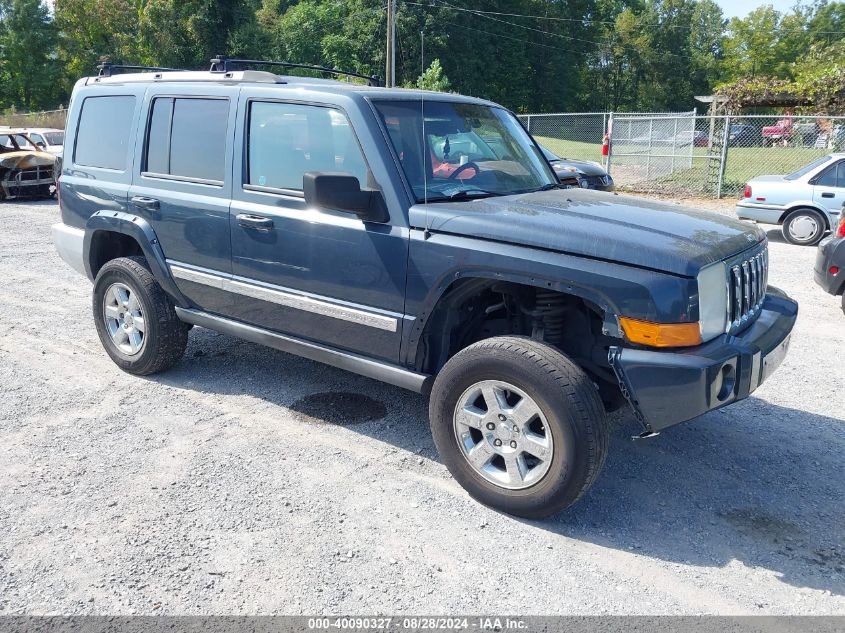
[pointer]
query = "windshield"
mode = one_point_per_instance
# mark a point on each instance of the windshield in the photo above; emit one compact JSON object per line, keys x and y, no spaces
{"x":55,"y":138}
{"x":807,"y":168}
{"x":470,"y":150}
{"x":548,"y":155}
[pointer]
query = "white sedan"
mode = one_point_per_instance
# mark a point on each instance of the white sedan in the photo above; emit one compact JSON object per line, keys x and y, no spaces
{"x":806,"y":203}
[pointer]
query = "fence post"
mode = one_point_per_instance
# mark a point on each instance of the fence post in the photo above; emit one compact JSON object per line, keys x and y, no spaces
{"x":674,"y":146}
{"x":609,"y":132}
{"x":603,"y":125}
{"x":724,"y":157}
{"x":528,"y":125}
{"x":648,"y":157}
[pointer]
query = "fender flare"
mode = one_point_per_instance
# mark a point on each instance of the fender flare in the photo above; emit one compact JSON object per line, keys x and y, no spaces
{"x":142,"y":232}
{"x":603,"y":302}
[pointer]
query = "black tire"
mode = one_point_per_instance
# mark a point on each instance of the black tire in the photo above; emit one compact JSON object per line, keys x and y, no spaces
{"x":165,"y":336}
{"x":807,"y":216}
{"x":567,"y":398}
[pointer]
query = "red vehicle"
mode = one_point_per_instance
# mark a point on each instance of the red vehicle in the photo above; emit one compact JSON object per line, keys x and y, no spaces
{"x":778,"y":132}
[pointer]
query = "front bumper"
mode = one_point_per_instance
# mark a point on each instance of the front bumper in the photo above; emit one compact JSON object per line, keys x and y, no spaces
{"x":831,"y":253}
{"x":669,"y":387}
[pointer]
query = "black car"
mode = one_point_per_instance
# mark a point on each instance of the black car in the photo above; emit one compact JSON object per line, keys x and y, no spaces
{"x":590,"y":175}
{"x":312,"y":216}
{"x":829,"y":271}
{"x":743,"y":135}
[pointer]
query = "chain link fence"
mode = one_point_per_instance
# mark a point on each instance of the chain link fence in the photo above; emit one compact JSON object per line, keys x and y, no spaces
{"x":686,"y":154}
{"x":47,"y":118}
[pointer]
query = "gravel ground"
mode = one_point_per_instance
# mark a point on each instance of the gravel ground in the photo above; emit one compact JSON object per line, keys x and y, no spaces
{"x":249,"y":481}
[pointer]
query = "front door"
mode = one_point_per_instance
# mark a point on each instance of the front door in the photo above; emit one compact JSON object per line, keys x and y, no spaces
{"x":312,"y":273}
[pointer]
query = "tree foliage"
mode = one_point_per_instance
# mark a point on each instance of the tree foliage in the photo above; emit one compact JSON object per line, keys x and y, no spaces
{"x":567,"y":55}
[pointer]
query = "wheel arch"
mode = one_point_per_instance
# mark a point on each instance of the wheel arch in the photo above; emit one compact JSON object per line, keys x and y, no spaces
{"x":440,"y":314}
{"x":112,"y":234}
{"x":810,"y":206}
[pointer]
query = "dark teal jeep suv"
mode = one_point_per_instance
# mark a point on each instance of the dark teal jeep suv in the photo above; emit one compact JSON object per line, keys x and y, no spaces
{"x":365,"y":227}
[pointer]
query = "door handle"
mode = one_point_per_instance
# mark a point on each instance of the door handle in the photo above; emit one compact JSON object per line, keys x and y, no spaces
{"x":827,"y":194}
{"x":143,"y":202}
{"x":255,"y":222}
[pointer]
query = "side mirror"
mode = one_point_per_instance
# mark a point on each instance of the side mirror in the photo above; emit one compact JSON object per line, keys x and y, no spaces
{"x":342,"y":192}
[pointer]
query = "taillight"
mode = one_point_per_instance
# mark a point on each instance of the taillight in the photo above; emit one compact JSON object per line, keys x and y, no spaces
{"x":747,"y":193}
{"x":840,"y":231}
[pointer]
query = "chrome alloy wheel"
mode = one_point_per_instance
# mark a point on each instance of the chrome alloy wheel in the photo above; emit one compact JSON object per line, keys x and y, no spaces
{"x":503,"y":434}
{"x":124,"y":319}
{"x":803,"y":228}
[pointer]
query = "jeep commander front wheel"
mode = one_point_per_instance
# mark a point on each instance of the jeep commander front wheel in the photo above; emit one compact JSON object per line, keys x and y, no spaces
{"x":519,"y":425}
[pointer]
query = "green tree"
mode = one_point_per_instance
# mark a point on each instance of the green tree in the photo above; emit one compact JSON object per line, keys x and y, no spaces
{"x":27,"y":67}
{"x":432,"y":79}
{"x":765,"y":42}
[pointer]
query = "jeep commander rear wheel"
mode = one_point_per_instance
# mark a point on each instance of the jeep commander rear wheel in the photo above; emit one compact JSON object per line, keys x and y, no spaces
{"x":135,"y":319}
{"x":519,"y":425}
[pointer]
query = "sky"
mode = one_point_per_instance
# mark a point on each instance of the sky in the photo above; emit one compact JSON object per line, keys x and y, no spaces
{"x":741,"y":8}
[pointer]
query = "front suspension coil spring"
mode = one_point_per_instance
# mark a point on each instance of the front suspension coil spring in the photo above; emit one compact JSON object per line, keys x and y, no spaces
{"x":550,"y":308}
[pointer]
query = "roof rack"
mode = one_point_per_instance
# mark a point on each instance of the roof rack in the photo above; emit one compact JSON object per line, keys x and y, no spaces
{"x":221,"y":64}
{"x":106,"y":69}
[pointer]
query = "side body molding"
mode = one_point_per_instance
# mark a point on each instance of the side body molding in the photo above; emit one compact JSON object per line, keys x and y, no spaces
{"x":140,"y":230}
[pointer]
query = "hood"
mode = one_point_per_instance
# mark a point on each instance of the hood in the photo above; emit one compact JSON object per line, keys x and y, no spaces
{"x":585,"y":167}
{"x":26,"y":159}
{"x":597,"y":224}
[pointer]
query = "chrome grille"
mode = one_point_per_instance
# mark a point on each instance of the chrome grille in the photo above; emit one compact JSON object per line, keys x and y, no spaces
{"x":748,"y":280}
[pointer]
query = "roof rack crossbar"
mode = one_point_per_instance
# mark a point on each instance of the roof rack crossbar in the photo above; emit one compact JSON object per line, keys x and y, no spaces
{"x":221,"y":64}
{"x":106,"y":69}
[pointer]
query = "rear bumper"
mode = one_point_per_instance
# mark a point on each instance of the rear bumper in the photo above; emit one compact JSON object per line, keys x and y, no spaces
{"x":759,"y":213}
{"x":831,"y":253}
{"x":69,"y":243}
{"x":667,"y":388}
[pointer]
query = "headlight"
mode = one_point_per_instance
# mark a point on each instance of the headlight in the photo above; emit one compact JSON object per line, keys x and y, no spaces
{"x":712,"y":300}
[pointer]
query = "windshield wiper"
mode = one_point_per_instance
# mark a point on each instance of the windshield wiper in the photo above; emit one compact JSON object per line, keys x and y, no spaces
{"x":548,"y":187}
{"x":465,"y":194}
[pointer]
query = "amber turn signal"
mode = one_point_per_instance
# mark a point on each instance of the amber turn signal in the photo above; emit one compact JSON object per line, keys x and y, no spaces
{"x":661,"y":334}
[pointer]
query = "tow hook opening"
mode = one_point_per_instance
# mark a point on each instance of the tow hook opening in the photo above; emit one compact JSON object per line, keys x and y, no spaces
{"x":725,"y":381}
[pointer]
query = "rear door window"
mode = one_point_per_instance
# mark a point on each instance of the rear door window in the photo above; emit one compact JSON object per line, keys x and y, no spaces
{"x":833,"y":176}
{"x":103,"y":133}
{"x":287,"y":139}
{"x":187,"y":138}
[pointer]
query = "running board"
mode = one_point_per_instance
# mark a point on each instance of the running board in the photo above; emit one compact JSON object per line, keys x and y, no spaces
{"x":384,"y":372}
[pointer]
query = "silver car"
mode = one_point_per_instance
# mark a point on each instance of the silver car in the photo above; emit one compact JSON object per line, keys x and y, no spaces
{"x":806,"y":203}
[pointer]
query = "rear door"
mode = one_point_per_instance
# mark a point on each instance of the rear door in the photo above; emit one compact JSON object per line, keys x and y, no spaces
{"x":183,"y":183}
{"x":829,"y":188}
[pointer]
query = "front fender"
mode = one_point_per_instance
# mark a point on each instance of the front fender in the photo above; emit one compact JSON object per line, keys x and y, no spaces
{"x":140,"y":230}
{"x":438,"y":261}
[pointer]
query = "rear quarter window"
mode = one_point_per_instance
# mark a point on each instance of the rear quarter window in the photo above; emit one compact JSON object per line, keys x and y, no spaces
{"x":103,"y":133}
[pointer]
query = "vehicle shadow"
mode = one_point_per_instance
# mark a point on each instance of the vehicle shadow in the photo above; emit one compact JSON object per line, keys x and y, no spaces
{"x":755,"y":483}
